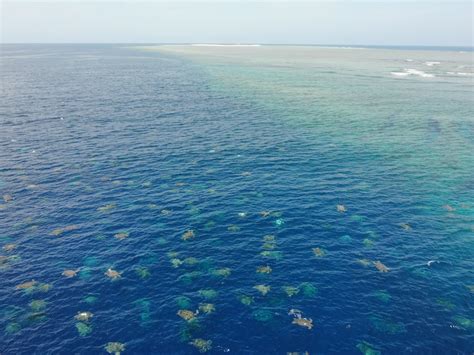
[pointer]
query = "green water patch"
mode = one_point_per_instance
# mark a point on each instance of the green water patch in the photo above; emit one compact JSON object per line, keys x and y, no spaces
{"x":35,"y":316}
{"x":190,"y":261}
{"x":382,"y":296}
{"x":368,"y":243}
{"x":190,"y":278}
{"x":143,"y":272}
{"x":190,"y":330}
{"x":208,"y":294}
{"x":387,"y":326}
{"x":148,"y":259}
{"x":272,"y":254}
{"x":91,"y":261}
{"x":262,"y":315}
{"x":358,"y":218}
{"x":143,"y":306}
{"x":368,"y":349}
{"x":37,"y":305}
{"x":345,"y":239}
{"x":446,"y":304}
{"x":12,"y":328}
{"x":183,"y":302}
{"x":463,"y":322}
{"x":246,"y":300}
{"x":90,"y":299}
{"x":85,"y":273}
{"x":308,"y":290}
{"x":83,"y":329}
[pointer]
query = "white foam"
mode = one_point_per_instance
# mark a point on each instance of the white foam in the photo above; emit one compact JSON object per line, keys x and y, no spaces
{"x":459,"y":73}
{"x":414,"y":72}
{"x":430,"y":64}
{"x":224,"y":45}
{"x":399,"y":73}
{"x":409,"y":60}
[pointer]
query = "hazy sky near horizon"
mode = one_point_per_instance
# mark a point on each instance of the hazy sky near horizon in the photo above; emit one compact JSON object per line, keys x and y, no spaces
{"x":382,"y":22}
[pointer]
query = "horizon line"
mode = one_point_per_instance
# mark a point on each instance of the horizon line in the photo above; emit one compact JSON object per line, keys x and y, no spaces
{"x":258,"y":43}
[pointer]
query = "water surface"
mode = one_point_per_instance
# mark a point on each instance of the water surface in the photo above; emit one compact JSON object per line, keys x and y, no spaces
{"x":109,"y":154}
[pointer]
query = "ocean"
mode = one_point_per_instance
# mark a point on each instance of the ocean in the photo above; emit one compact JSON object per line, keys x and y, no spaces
{"x":233,"y":199}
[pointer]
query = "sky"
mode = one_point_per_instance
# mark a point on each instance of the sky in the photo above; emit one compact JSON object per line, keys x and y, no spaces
{"x":345,"y":22}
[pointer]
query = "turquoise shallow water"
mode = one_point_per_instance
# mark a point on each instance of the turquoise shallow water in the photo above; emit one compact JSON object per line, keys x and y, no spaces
{"x":110,"y":154}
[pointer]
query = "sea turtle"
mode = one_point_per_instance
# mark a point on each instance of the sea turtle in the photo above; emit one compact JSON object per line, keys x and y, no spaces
{"x":70,"y":227}
{"x":363,"y":262}
{"x":43,"y":287}
{"x":202,"y":345}
{"x":83,"y":316}
{"x":7,"y":198}
{"x":291,"y":291}
{"x":107,"y":207}
{"x":341,"y":208}
{"x":175,"y":262}
{"x":246,"y":300}
{"x":223,"y":272}
{"x":449,"y":208}
{"x":233,"y":228}
{"x":380,"y":267}
{"x":9,"y":247}
{"x":57,"y":231}
{"x":121,"y":235}
{"x":263,"y":289}
{"x":114,"y":348}
{"x":369,"y":243}
{"x":70,"y":273}
{"x":269,"y":238}
{"x":405,"y":226}
{"x":191,"y":260}
{"x":113,"y":274}
{"x":264,"y":269}
{"x":3,"y":260}
{"x":295,"y":313}
{"x":265,"y":214}
{"x":189,"y":234}
{"x":319,"y":252}
{"x":207,"y":307}
{"x":431,"y":262}
{"x":269,"y":245}
{"x":187,"y":315}
{"x":26,"y":285}
{"x":271,"y":254}
{"x":303,"y":322}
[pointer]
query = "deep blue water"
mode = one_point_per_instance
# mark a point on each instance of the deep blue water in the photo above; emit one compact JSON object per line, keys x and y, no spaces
{"x":162,"y":143}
